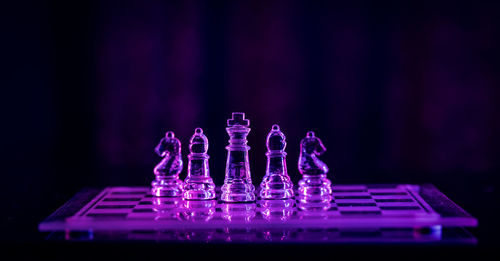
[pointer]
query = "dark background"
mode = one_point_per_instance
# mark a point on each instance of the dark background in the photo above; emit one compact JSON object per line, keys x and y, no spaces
{"x":397,"y":91}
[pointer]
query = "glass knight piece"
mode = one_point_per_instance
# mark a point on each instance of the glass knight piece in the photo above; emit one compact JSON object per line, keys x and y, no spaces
{"x":167,"y":182}
{"x":238,"y":185}
{"x":276,"y":183}
{"x":198,"y":184}
{"x":314,"y":182}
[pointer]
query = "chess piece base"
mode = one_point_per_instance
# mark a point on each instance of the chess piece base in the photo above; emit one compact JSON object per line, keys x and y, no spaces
{"x":167,"y":187}
{"x":238,"y":192}
{"x":315,"y":185}
{"x":199,"y":190}
{"x":276,"y":187}
{"x":277,"y":194}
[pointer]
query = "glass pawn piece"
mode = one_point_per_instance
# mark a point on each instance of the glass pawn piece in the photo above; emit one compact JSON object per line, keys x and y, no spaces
{"x":238,"y":185}
{"x":276,"y":183}
{"x":167,"y":182}
{"x":314,"y":183}
{"x":198,"y":184}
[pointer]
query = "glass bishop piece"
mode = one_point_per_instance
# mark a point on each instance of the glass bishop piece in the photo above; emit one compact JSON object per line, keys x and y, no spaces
{"x":238,"y":185}
{"x":276,"y":183}
{"x":314,"y":182}
{"x":198,"y":184}
{"x":167,"y":182}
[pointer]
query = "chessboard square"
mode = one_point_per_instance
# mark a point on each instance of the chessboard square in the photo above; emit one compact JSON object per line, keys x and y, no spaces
{"x":114,"y":203}
{"x":143,"y":215}
{"x":127,"y":193}
{"x":114,"y":206}
{"x":359,"y":208}
{"x":349,"y":193}
{"x":396,"y":189}
{"x":361,"y":213}
{"x":106,"y":215}
{"x":348,"y":187}
{"x":143,"y":210}
{"x":412,"y":213}
{"x":128,"y":189}
{"x":349,"y":190}
{"x":143,"y":206}
{"x":400,"y":208}
{"x":391,"y":197}
{"x":384,"y":186}
{"x":393,"y":200}
{"x":109,"y":210}
{"x":352,"y":197}
{"x":397,"y":204}
{"x":339,"y":201}
{"x":357,"y":204}
{"x":122,"y":199}
{"x":396,"y":193}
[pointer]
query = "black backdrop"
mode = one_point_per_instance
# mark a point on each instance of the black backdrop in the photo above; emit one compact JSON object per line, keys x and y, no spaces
{"x":398,"y":92}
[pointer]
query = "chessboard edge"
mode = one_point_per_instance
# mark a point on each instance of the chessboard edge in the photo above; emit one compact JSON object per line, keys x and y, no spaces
{"x":69,"y":208}
{"x":444,"y":206}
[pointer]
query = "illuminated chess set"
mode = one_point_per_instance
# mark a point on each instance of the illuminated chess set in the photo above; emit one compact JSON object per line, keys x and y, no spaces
{"x":195,"y":209}
{"x":238,"y":187}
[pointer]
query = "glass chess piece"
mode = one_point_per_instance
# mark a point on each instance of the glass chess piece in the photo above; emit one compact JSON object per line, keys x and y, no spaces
{"x":198,"y":184}
{"x":276,"y":183}
{"x":167,"y":182}
{"x":238,"y":185}
{"x":314,"y":184}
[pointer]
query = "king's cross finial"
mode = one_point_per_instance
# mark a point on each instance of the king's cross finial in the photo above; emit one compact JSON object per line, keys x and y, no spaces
{"x":238,"y":119}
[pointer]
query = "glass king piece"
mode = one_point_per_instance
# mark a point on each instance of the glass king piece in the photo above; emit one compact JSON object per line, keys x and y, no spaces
{"x":238,"y":185}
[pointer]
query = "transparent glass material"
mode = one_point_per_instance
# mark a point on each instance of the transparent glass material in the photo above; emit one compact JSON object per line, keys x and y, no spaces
{"x":167,"y":182}
{"x":314,"y":184}
{"x":198,"y":184}
{"x":276,"y":183}
{"x":167,"y":208}
{"x":244,"y":212}
{"x":238,"y":185}
{"x":199,"y":211}
{"x":277,"y":210}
